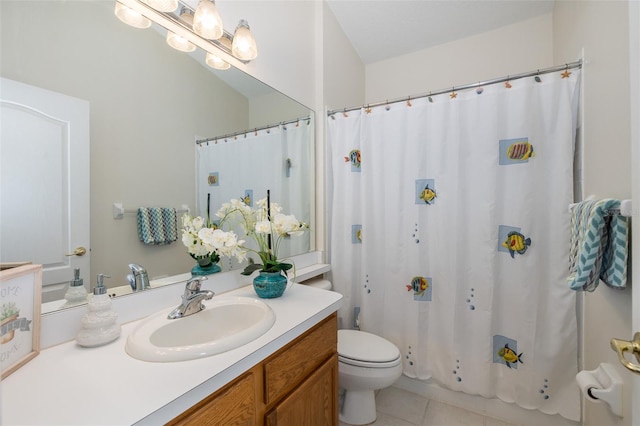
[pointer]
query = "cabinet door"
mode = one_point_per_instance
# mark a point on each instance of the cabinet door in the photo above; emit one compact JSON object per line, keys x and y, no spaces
{"x":313,"y":403}
{"x":290,"y":366}
{"x":235,"y":404}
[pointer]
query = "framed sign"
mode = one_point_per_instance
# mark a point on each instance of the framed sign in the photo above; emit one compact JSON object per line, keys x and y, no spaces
{"x":20,"y":292}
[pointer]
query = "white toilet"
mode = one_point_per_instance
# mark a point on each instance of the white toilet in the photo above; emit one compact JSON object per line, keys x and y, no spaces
{"x":366,"y":363}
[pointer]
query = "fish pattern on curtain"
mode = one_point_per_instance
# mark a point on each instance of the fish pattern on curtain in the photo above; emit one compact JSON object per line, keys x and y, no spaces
{"x":449,"y":231}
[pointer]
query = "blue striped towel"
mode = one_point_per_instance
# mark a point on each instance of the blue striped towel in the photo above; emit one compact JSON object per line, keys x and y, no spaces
{"x":157,"y":225}
{"x":599,"y":245}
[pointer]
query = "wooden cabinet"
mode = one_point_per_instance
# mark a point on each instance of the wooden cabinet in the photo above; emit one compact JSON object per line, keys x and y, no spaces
{"x":234,"y":404}
{"x":298,"y":385}
{"x":313,"y":403}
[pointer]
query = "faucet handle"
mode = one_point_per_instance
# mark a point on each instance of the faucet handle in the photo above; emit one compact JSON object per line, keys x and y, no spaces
{"x":137,"y":269}
{"x":194,"y":283}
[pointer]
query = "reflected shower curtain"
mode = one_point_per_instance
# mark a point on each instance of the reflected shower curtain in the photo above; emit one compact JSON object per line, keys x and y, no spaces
{"x":269,"y":159}
{"x":449,"y":232}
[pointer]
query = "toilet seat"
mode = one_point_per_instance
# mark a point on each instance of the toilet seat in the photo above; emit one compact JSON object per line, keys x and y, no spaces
{"x":363,"y":349}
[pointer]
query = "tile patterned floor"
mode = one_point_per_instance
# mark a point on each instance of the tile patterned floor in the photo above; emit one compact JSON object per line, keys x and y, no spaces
{"x":397,"y":407}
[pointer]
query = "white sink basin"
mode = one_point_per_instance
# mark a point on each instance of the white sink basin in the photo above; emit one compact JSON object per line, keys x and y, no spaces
{"x":225,"y":324}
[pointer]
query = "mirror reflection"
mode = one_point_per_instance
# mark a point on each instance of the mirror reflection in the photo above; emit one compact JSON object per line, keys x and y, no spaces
{"x":148,"y":104}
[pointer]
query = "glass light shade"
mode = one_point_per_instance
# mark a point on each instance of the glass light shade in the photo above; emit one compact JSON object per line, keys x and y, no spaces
{"x":131,"y":17}
{"x":244,"y":45}
{"x":179,"y":43}
{"x":162,"y":5}
{"x":206,"y":21}
{"x":214,"y":62}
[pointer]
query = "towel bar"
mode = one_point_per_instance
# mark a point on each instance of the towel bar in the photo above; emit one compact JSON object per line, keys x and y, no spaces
{"x":119,"y":210}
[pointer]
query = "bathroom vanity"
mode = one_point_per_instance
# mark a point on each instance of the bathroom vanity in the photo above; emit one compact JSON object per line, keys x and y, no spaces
{"x":295,"y":386}
{"x":288,"y":372}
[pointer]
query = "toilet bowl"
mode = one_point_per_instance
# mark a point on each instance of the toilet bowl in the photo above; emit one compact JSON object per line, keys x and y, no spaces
{"x":366,"y":362}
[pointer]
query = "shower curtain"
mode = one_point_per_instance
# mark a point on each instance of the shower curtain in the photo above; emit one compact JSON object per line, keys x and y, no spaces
{"x":449,"y":234}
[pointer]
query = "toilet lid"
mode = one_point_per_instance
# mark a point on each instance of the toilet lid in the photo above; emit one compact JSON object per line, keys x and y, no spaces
{"x":358,"y":347}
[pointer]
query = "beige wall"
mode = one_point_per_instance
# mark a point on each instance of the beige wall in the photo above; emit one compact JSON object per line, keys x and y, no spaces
{"x":601,"y":29}
{"x":272,"y":108}
{"x":512,"y":49}
{"x":344,"y":72}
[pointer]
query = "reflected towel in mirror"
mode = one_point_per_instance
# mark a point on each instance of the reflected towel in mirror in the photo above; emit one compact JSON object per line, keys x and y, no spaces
{"x":157,"y":225}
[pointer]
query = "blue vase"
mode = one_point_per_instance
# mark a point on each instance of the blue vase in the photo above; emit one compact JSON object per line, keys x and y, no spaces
{"x":269,"y":285}
{"x":206,"y":269}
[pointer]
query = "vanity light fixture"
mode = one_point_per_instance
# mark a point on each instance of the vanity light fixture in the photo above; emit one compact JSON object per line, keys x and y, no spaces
{"x":207,"y":22}
{"x":177,"y":41}
{"x":244,"y":45}
{"x":131,"y":17}
{"x":162,"y":5}
{"x":185,"y":32}
{"x":214,"y":61}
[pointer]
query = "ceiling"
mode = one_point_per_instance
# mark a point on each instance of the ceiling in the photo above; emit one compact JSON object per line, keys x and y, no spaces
{"x":383,"y":29}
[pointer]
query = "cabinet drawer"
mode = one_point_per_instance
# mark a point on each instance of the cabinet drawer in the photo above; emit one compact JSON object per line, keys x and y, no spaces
{"x":292,"y":364}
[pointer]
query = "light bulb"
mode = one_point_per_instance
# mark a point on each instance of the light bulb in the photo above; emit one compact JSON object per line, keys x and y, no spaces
{"x":214,"y":62}
{"x":244,"y":45}
{"x":179,"y":43}
{"x":162,"y":5}
{"x":131,"y":17}
{"x":206,"y":21}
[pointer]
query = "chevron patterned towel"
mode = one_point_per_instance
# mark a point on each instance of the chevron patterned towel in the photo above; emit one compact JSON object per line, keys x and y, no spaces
{"x":157,"y":225}
{"x":599,"y":245}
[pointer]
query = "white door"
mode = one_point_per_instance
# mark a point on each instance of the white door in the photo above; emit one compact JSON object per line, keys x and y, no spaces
{"x":44,"y":192}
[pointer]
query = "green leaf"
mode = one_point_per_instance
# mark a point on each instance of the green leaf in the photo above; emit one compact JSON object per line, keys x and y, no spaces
{"x":251,"y":268}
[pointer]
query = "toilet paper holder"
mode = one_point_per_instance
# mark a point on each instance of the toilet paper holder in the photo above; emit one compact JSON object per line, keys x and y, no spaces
{"x":602,"y":385}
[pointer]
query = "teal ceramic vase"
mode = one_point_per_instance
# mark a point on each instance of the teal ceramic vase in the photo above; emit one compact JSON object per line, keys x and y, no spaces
{"x":205,"y":267}
{"x":269,"y":285}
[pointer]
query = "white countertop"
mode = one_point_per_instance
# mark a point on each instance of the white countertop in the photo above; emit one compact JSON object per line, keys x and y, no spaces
{"x":71,"y":385}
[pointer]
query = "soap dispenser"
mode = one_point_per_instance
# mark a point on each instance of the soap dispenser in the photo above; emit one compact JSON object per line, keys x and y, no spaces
{"x":99,"y":324}
{"x":76,"y":292}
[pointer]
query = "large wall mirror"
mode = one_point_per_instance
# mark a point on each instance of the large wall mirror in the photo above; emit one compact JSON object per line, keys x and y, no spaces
{"x":148,"y":105}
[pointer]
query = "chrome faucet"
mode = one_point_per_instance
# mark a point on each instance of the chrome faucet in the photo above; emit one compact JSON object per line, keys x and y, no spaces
{"x":138,"y":278}
{"x":191,"y":299}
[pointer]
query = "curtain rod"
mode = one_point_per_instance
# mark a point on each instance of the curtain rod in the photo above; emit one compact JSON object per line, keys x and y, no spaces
{"x":257,"y":129}
{"x":568,"y":66}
